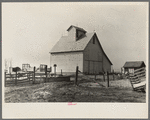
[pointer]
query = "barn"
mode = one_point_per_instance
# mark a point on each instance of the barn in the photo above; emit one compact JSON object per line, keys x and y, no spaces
{"x":81,"y":49}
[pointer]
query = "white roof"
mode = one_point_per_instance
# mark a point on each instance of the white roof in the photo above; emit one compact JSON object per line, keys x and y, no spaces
{"x":66,"y":45}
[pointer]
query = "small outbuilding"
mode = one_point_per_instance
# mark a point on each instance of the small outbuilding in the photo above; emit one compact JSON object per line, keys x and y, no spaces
{"x":130,"y":66}
{"x":25,"y":67}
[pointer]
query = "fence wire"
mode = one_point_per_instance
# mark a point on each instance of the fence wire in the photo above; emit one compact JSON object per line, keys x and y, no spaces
{"x":90,"y":78}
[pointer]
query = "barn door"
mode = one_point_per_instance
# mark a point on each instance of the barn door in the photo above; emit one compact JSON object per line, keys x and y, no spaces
{"x":100,"y":66}
{"x":96,"y":67}
{"x":91,"y":67}
{"x":86,"y":67}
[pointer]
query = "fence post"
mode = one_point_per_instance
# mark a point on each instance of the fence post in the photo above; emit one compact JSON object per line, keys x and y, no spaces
{"x":16,"y":78}
{"x":104,"y":76}
{"x":107,"y":79}
{"x":28,"y":73}
{"x":113,"y":75}
{"x":95,"y":75}
{"x":5,"y":78}
{"x":46,"y":73}
{"x":61,"y":72}
{"x":76,"y":75}
{"x":34,"y":76}
{"x":55,"y":69}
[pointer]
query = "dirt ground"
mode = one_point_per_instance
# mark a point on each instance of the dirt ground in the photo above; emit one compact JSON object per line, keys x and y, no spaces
{"x":86,"y":91}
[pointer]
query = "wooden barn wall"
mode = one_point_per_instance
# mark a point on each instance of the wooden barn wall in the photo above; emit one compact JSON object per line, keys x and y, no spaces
{"x":67,"y":61}
{"x":92,"y":58}
{"x":106,"y":64}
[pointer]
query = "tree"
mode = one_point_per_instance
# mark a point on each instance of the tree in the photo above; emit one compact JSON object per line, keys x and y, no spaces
{"x":6,"y":65}
{"x":16,"y":69}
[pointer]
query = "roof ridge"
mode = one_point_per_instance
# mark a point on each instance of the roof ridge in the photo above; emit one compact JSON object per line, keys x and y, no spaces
{"x":64,"y":45}
{"x":76,"y":28}
{"x":133,"y":64}
{"x":134,"y":61}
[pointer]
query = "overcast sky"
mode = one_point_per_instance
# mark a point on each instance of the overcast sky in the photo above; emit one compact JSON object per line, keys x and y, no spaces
{"x":30,"y":30}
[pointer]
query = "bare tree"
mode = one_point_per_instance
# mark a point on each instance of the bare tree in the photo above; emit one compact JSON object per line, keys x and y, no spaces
{"x":10,"y":65}
{"x":6,"y":65}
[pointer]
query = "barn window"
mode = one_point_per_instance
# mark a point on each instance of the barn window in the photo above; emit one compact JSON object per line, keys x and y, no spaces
{"x":79,"y":34}
{"x":94,"y":40}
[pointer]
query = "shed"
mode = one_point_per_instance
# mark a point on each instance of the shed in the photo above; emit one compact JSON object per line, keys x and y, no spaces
{"x":25,"y":67}
{"x":130,"y":66}
{"x":81,"y":49}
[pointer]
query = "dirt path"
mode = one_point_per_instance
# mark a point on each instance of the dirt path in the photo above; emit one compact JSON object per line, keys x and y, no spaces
{"x":32,"y":93}
{"x":119,"y":91}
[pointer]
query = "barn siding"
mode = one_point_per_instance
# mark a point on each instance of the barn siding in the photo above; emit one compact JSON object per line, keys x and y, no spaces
{"x":92,"y":58}
{"x":67,"y":61}
{"x":106,"y":64}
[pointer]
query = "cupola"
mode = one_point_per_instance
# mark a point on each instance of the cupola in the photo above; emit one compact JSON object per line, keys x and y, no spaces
{"x":76,"y":33}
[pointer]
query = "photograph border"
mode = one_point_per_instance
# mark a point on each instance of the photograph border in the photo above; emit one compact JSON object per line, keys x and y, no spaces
{"x":58,"y":103}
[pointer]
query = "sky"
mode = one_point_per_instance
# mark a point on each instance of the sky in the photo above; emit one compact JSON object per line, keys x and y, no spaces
{"x":30,"y":30}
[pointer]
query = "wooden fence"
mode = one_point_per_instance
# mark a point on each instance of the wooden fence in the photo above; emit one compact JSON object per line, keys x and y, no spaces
{"x":138,"y":79}
{"x":25,"y":77}
{"x":107,"y":74}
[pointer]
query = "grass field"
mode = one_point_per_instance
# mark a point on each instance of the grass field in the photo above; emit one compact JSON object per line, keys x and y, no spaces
{"x":86,"y":91}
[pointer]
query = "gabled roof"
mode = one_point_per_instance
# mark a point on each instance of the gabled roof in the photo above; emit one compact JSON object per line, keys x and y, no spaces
{"x":103,"y":50}
{"x":133,"y":64}
{"x":65,"y":45}
{"x":78,"y":28}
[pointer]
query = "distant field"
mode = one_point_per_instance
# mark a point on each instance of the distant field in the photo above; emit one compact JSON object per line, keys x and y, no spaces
{"x":86,"y":91}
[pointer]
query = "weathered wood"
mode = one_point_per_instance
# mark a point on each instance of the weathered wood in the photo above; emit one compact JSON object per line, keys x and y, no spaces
{"x":39,"y":74}
{"x":95,"y":75}
{"x":140,"y":88}
{"x":135,"y":79}
{"x":143,"y":68}
{"x":28,"y":76}
{"x":5,"y":78}
{"x":139,"y":72}
{"x":111,"y":73}
{"x":39,"y":77}
{"x":141,"y":75}
{"x":46,"y":73}
{"x":55,"y":69}
{"x":9,"y":82}
{"x":104,"y":77}
{"x":76,"y":75}
{"x":131,"y":83}
{"x":34,"y":75}
{"x":114,"y":74}
{"x":138,"y":76}
{"x":22,"y":80}
{"x":136,"y":82}
{"x":107,"y":79}
{"x":9,"y":76}
{"x":16,"y":79}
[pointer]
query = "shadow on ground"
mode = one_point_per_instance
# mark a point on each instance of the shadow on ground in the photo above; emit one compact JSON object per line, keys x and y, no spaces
{"x":86,"y":91}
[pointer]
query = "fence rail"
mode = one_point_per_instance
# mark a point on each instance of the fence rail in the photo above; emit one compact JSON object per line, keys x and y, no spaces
{"x":136,"y":79}
{"x":107,"y":75}
{"x":143,"y":69}
{"x":18,"y":78}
